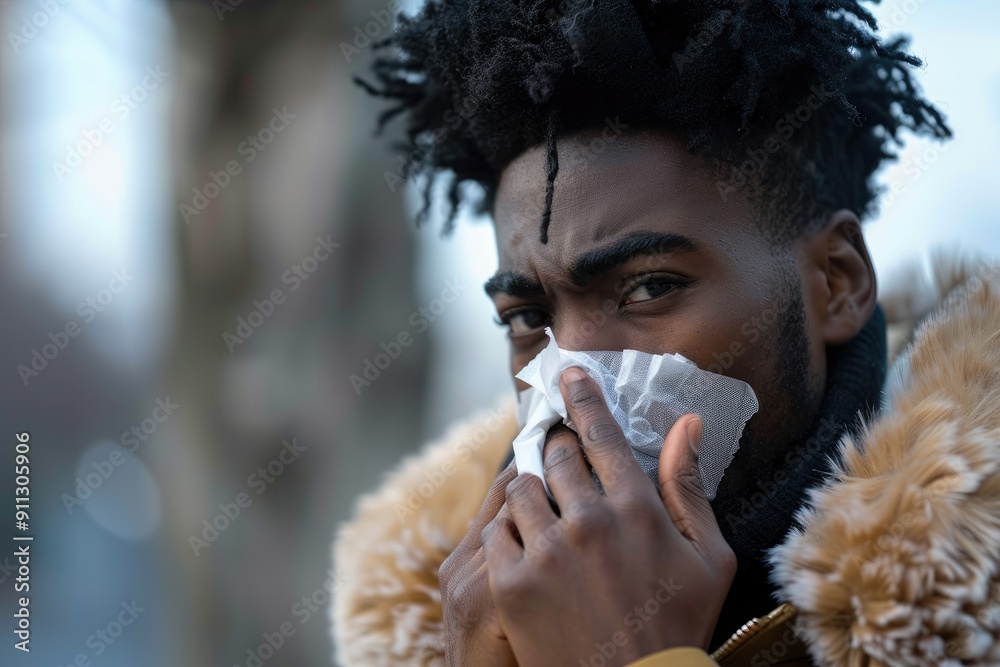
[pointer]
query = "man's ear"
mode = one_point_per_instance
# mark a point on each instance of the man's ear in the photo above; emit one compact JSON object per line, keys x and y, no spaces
{"x":842,"y":265}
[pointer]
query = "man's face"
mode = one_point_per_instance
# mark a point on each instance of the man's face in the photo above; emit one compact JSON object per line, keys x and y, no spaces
{"x":644,"y":253}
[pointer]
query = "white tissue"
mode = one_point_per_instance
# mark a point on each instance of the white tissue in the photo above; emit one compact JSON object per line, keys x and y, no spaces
{"x":646,"y":394}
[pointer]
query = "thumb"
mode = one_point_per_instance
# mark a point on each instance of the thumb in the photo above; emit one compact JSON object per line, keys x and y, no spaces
{"x":681,"y":486}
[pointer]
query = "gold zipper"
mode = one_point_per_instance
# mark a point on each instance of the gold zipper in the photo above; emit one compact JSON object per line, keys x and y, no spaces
{"x":751,"y":628}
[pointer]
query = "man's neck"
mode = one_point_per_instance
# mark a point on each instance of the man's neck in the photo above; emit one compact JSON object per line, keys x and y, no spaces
{"x":760,"y":517}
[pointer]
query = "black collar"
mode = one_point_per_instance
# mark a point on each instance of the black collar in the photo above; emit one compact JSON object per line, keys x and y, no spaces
{"x":857,"y":372}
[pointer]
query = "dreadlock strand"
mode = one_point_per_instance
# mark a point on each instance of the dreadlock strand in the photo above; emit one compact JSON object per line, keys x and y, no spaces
{"x":551,"y":170}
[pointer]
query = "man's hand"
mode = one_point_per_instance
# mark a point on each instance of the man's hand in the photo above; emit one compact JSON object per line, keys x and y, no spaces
{"x":621,"y":574}
{"x":472,"y":628}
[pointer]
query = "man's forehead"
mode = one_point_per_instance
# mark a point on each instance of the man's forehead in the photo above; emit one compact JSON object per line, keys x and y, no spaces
{"x":658,"y":159}
{"x":644,"y":182}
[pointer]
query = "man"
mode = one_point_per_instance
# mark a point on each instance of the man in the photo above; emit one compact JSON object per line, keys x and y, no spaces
{"x":685,"y":177}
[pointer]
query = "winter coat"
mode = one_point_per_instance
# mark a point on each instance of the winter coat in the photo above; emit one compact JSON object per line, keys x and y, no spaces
{"x":895,"y":561}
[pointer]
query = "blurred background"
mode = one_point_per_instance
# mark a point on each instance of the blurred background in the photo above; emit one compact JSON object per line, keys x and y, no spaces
{"x":199,"y":248}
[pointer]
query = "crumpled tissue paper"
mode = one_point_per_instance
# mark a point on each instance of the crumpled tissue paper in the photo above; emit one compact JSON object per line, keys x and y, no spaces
{"x":646,"y":394}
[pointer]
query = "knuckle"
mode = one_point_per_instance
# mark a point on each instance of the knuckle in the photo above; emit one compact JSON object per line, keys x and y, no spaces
{"x":644,"y":507}
{"x":558,"y":455}
{"x":593,"y":523}
{"x":580,"y":507}
{"x":641,"y":516}
{"x":726,"y":559}
{"x":506,"y":475}
{"x":489,"y":529}
{"x":689,"y":483}
{"x":602,"y":429}
{"x":510,"y":588}
{"x":621,"y":460}
{"x":542,"y":551}
{"x":518,"y":489}
{"x":558,"y":433}
{"x":584,"y":395}
{"x":687,"y":526}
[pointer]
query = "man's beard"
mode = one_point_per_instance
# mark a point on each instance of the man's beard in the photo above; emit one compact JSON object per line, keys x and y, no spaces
{"x":760,"y":452}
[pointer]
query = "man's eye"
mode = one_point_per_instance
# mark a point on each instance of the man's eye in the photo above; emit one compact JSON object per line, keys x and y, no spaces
{"x":522,"y":322}
{"x":650,"y":289}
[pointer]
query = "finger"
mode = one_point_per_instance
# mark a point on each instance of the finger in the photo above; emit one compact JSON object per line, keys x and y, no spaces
{"x":472,"y":592}
{"x":681,"y":486}
{"x":501,"y":547}
{"x":502,"y":515}
{"x":529,"y":507}
{"x":566,"y":471}
{"x":492,"y":503}
{"x":472,"y":541}
{"x":601,"y":437}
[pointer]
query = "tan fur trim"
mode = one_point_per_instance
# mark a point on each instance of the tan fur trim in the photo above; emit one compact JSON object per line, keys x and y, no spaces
{"x":899,"y":559}
{"x":388,"y":610}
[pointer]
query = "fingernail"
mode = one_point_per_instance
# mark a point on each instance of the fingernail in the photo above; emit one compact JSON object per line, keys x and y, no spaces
{"x":694,"y":435}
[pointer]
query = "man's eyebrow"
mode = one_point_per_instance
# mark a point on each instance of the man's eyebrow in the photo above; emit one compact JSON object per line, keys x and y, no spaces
{"x":514,"y":284}
{"x":597,"y":263}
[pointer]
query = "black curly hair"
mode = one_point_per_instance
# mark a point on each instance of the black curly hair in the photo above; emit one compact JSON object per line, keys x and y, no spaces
{"x":481,"y":81}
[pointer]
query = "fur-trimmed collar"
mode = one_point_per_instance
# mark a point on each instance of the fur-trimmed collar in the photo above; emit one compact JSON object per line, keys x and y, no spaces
{"x":898,"y":556}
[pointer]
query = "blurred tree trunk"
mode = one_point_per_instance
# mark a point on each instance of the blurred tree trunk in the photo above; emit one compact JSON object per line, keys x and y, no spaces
{"x":320,"y":176}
